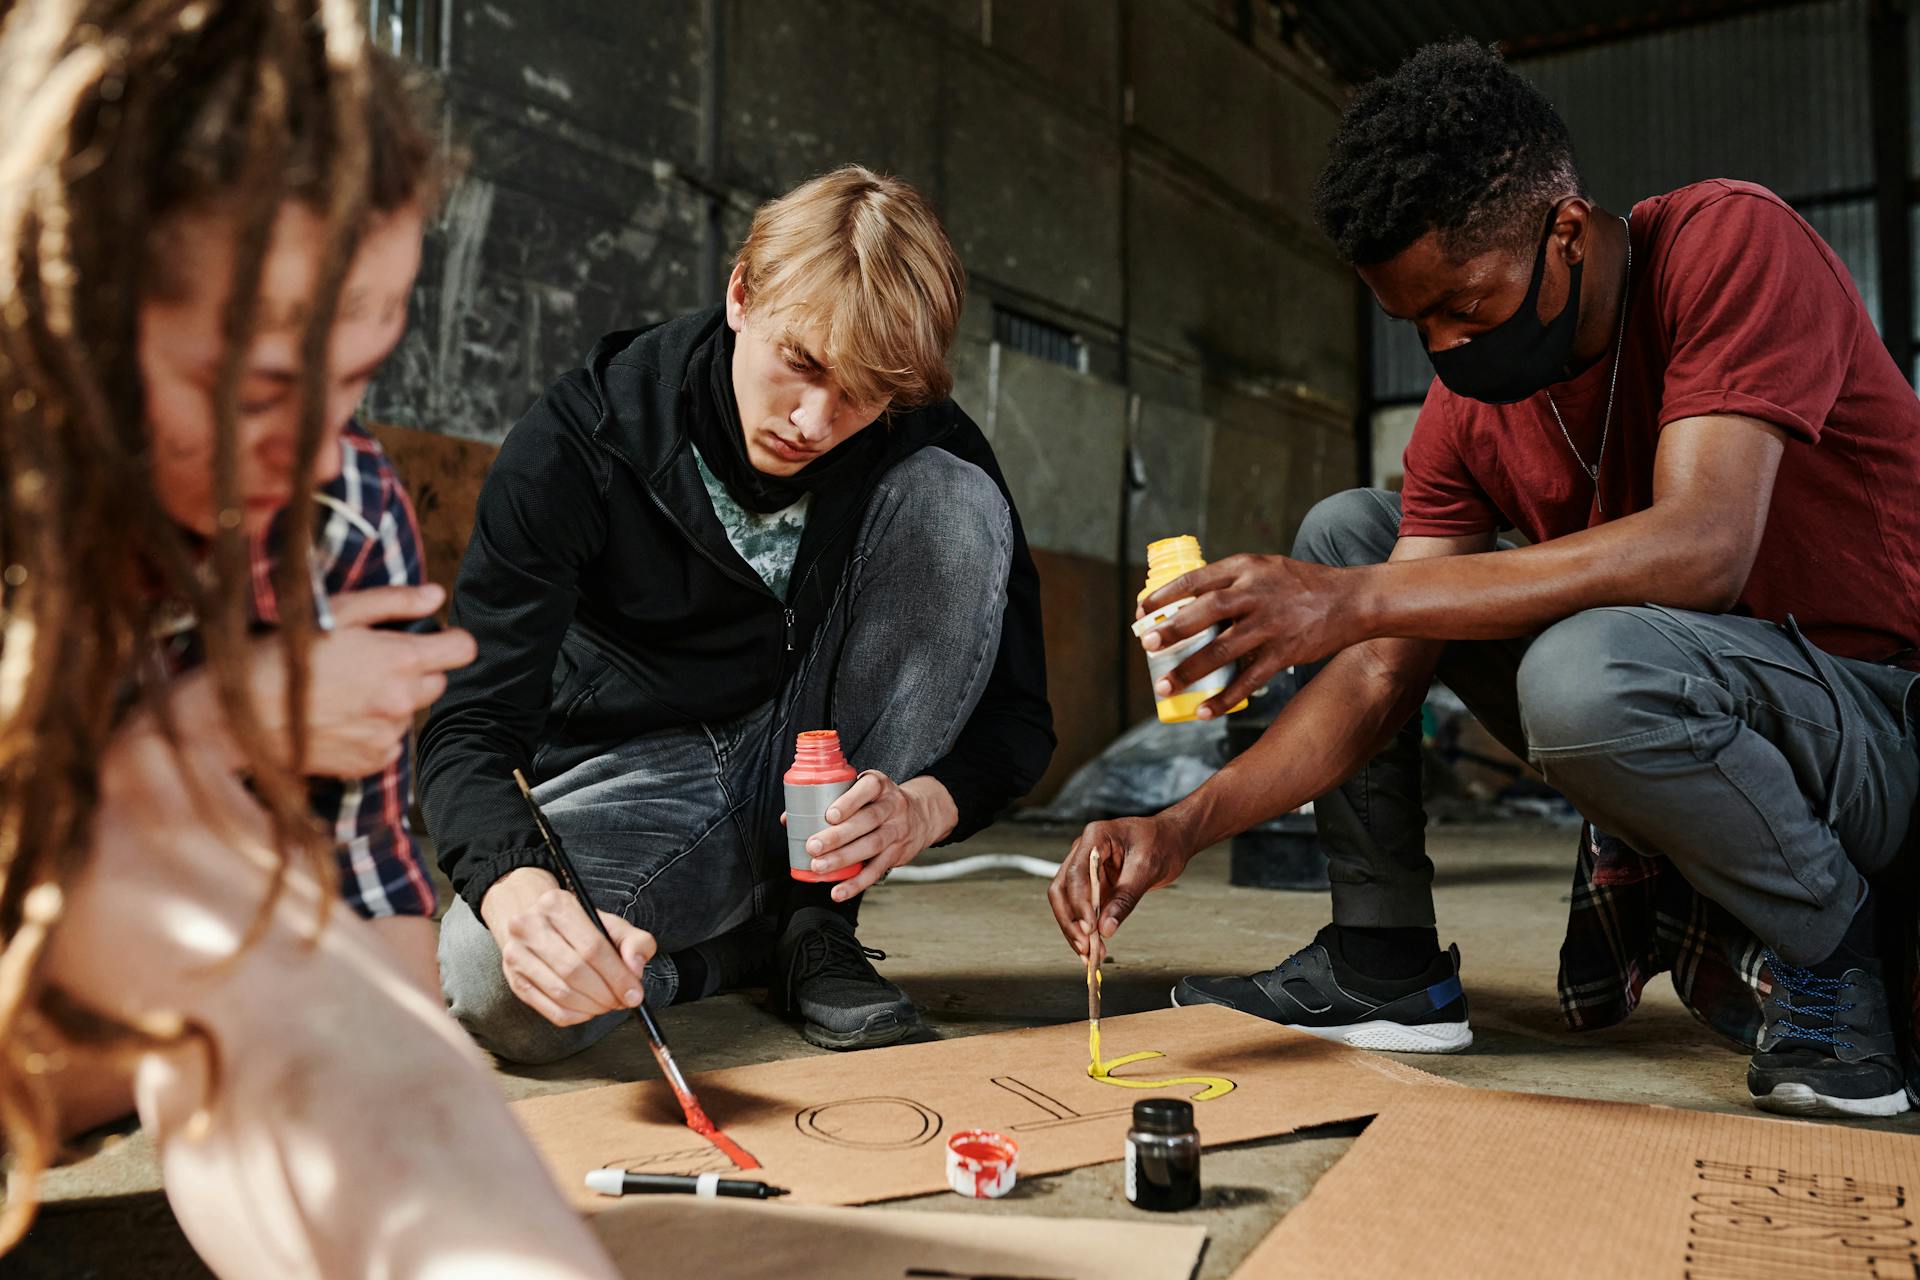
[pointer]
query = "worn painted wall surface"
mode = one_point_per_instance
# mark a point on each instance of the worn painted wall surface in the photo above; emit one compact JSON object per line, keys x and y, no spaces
{"x":1134,"y":171}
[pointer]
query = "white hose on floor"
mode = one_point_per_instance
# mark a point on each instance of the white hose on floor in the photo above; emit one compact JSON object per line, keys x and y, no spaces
{"x":967,"y":866}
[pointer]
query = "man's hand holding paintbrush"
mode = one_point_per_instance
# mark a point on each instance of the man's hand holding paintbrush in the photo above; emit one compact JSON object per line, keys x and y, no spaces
{"x":1103,"y":877}
{"x":555,"y":959}
{"x":570,"y":882}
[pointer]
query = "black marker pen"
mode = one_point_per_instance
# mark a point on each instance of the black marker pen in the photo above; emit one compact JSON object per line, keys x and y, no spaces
{"x":618,"y":1182}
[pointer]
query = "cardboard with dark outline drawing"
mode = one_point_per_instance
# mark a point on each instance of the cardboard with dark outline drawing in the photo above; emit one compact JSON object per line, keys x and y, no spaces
{"x":654,"y":1236}
{"x":859,"y":1127}
{"x":1470,"y":1182}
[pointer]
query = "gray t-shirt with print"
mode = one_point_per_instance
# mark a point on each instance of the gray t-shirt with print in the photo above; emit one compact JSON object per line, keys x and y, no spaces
{"x":770,"y":541}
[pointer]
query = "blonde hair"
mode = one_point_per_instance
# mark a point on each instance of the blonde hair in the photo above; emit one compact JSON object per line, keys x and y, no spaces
{"x":860,"y":261}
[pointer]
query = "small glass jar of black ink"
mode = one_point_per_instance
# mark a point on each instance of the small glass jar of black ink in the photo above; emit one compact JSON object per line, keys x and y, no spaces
{"x":1163,"y":1156}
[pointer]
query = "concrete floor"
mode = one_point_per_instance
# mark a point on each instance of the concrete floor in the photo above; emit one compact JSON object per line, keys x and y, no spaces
{"x":1501,"y":893}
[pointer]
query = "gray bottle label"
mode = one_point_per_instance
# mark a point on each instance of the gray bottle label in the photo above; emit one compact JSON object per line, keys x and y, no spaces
{"x":807,"y":816}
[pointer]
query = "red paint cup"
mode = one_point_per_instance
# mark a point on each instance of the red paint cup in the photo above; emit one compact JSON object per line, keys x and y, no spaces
{"x":982,"y":1164}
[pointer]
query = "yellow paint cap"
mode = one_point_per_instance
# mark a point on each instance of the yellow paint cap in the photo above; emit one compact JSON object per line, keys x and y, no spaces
{"x":1168,"y":558}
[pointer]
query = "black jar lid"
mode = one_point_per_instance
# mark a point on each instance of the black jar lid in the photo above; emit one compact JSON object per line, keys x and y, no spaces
{"x":1163,"y":1115}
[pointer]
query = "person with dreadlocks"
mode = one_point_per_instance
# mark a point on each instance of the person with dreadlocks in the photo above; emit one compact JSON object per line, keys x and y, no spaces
{"x":1709,"y":646}
{"x":210,"y":218}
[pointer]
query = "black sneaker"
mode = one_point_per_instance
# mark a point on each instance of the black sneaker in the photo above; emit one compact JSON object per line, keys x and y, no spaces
{"x":1313,"y":992}
{"x":823,"y":974}
{"x":1827,"y":1048}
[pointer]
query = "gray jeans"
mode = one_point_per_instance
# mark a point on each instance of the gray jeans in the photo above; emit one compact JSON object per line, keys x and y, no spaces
{"x":1774,"y":776}
{"x":678,"y":830}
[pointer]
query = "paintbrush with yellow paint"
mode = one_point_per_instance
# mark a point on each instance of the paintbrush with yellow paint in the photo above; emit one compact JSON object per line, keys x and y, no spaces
{"x":1211,"y":1086}
{"x":1096,"y":949}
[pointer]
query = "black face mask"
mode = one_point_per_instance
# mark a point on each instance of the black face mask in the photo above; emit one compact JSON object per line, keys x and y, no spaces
{"x":1520,"y":355}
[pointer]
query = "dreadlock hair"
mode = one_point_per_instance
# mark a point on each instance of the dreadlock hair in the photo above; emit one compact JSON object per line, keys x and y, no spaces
{"x":1455,"y":141}
{"x":121,"y":114}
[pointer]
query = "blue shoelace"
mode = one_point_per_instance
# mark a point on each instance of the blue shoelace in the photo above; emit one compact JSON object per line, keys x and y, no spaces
{"x":1823,"y":1002}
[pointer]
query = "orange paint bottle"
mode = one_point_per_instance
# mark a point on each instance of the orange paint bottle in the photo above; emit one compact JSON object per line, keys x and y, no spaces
{"x":819,"y":776}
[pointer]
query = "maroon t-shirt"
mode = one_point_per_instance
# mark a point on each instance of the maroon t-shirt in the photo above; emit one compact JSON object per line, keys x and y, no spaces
{"x":1736,"y":307}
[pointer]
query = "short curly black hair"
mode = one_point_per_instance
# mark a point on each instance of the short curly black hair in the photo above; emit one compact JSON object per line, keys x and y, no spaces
{"x":1455,"y":141}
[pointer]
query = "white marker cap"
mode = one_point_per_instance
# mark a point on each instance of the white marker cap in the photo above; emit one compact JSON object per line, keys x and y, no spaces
{"x":608,"y":1182}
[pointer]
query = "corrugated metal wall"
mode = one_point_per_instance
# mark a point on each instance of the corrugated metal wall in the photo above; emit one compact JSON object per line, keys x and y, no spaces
{"x":1778,"y":98}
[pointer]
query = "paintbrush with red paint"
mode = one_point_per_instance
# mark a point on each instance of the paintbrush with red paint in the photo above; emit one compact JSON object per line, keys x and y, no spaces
{"x":697,"y":1119}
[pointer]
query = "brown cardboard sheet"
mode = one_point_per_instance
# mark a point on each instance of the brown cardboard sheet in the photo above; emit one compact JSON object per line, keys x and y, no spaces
{"x":1476,"y":1183}
{"x":857,"y":1127}
{"x":654,"y":1236}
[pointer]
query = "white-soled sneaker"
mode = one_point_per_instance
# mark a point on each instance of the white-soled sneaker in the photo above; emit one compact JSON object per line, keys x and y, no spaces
{"x":1423,"y":1014}
{"x":1828,"y":1047}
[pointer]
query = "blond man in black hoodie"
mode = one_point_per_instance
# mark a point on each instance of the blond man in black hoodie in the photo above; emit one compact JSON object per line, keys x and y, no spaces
{"x":723,"y":530}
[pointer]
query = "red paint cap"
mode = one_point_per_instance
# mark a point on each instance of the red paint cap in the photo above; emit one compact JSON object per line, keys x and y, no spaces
{"x":817,"y":759}
{"x":982,"y":1164}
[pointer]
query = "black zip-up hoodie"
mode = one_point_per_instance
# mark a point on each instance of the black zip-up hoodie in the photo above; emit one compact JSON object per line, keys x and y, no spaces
{"x":607,"y":602}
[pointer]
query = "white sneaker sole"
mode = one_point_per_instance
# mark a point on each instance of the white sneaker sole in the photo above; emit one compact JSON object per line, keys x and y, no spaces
{"x":1790,"y":1099}
{"x":1384,"y":1036}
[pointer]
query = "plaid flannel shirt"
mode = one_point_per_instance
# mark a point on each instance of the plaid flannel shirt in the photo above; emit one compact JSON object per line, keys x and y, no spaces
{"x":365,"y":536}
{"x":1633,"y":917}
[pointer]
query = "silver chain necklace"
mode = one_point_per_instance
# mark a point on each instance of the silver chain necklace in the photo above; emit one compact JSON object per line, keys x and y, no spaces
{"x":1613,"y":379}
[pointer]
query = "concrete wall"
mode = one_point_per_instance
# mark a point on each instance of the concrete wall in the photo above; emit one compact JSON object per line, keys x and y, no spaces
{"x":1392,"y":433}
{"x":1136,"y":171}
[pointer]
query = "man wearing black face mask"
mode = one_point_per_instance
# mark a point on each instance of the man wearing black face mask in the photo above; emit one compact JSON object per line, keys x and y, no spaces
{"x":1709,"y":647}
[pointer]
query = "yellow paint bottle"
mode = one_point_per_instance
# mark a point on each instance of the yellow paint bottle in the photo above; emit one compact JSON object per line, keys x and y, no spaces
{"x":1167,"y":559}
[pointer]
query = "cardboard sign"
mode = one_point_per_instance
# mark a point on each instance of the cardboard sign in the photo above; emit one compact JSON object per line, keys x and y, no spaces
{"x":1472,"y":1183}
{"x":654,"y":1236}
{"x":857,"y":1127}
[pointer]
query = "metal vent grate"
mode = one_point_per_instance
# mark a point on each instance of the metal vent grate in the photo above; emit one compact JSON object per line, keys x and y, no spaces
{"x":1042,"y":339}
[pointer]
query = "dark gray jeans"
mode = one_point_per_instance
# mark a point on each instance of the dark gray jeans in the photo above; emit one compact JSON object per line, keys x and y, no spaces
{"x":678,"y":830}
{"x":1774,"y":776}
